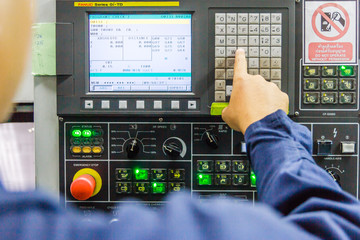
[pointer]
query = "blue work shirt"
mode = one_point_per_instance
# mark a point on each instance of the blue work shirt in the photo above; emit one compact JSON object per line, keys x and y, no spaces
{"x":298,"y":200}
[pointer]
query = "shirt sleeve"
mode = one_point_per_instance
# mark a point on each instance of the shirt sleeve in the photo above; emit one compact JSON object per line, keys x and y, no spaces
{"x":289,"y":180}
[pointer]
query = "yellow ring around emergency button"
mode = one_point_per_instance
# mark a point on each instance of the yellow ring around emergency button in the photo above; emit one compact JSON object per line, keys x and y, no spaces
{"x":86,"y":149}
{"x":94,"y":174}
{"x":96,"y":149}
{"x":76,"y":149}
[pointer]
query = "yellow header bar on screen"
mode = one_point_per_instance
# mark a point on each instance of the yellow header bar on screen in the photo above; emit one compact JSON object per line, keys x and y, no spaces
{"x":126,"y":4}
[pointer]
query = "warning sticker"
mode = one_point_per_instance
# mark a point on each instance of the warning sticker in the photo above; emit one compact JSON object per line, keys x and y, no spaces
{"x":330,"y":32}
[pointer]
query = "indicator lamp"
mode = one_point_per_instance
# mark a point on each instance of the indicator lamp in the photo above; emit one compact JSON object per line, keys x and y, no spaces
{"x":253,"y":179}
{"x":346,"y":71}
{"x":76,"y":133}
{"x":86,"y":133}
{"x":204,"y":179}
{"x":141,"y":174}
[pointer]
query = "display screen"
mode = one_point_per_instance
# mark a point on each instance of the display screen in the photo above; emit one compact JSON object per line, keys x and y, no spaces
{"x":140,"y":53}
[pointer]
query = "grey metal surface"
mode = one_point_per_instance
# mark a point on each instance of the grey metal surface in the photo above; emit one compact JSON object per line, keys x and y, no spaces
{"x":46,"y":123}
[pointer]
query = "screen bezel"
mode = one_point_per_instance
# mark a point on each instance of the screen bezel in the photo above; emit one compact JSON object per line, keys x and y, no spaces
{"x":137,"y":93}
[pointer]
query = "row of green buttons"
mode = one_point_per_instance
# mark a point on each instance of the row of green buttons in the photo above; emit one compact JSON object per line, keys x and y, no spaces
{"x":346,"y":84}
{"x":333,"y":71}
{"x":86,"y":133}
{"x":222,"y":166}
{"x":329,"y":98}
{"x":145,"y":187}
{"x":143,"y":174}
{"x":206,"y":179}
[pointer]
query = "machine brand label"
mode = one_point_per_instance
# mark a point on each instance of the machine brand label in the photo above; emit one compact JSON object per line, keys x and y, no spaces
{"x":126,"y":4}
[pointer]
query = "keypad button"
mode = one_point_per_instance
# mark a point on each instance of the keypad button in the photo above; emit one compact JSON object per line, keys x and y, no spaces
{"x":219,"y":62}
{"x":312,"y":98}
{"x":222,"y":166}
{"x":347,"y":84}
{"x":230,"y":62}
{"x":311,"y":71}
{"x":231,"y":40}
{"x":265,"y":73}
{"x":275,"y":62}
{"x":254,"y":29}
{"x":240,"y":166}
{"x":229,"y":74}
{"x":231,"y":18}
{"x":223,"y":179}
{"x":277,"y":83}
{"x":275,"y":74}
{"x":264,"y":62}
{"x":276,"y":18}
{"x":230,"y":51}
{"x":329,"y":84}
{"x":264,"y":17}
{"x":243,"y":18}
{"x":347,"y":98}
{"x":243,"y":29}
{"x":205,"y":165}
{"x":265,"y":29}
{"x":220,"y":17}
{"x":228,"y":90}
{"x":276,"y":41}
{"x":242,"y":40}
{"x":254,"y":18}
{"x":275,"y":29}
{"x":253,"y":63}
{"x":220,"y":29}
{"x":329,"y":71}
{"x":275,"y":51}
{"x":231,"y":29}
{"x":220,"y":96}
{"x":329,"y":98}
{"x":253,"y":52}
{"x":264,"y":40}
{"x":220,"y":41}
{"x":253,"y":71}
{"x":264,"y":51}
{"x":219,"y":74}
{"x":254,"y":41}
{"x":219,"y":51}
{"x":312,"y":84}
{"x":220,"y":85}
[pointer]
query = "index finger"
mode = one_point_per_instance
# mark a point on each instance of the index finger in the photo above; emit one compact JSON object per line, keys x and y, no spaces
{"x":240,"y":66}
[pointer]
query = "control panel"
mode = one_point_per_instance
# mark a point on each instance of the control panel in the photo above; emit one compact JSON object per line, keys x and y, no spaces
{"x":141,"y":87}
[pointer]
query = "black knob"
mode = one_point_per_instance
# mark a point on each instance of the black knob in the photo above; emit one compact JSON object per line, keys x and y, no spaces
{"x":132,"y":148}
{"x":211,"y":140}
{"x":172,"y":149}
{"x":335,"y":176}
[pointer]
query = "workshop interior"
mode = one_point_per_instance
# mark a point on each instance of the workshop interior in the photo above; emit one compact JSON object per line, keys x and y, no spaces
{"x":127,"y":96}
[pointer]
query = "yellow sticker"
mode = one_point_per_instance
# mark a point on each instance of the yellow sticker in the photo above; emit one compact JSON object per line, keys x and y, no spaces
{"x":126,"y":4}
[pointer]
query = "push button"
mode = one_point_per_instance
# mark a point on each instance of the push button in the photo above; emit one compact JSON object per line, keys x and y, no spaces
{"x":240,"y":166}
{"x":348,"y":147}
{"x":141,"y":188}
{"x":329,"y":71}
{"x":311,"y":71}
{"x":204,"y":179}
{"x":158,"y":174}
{"x":346,"y":71}
{"x":176,"y":186}
{"x":324,"y":147}
{"x":176,"y":174}
{"x":141,"y":174}
{"x":222,"y":166}
{"x":347,"y":98}
{"x":205,"y":165}
{"x":123,"y":187}
{"x":311,"y":83}
{"x":329,"y":84}
{"x":347,"y":84}
{"x":158,"y":188}
{"x":240,"y":180}
{"x":123,"y":174}
{"x":223,"y":179}
{"x":312,"y":98}
{"x":329,"y":98}
{"x":83,"y":187}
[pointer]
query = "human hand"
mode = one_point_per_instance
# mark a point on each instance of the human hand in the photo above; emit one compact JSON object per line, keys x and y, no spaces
{"x":252,"y":97}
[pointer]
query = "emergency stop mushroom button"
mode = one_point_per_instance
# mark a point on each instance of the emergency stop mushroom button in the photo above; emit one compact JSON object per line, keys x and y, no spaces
{"x":82,"y":188}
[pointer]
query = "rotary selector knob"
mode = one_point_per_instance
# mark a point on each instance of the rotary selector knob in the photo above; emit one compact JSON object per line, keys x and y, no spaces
{"x":335,"y":176}
{"x":172,"y":149}
{"x":132,"y":148}
{"x":211,"y":140}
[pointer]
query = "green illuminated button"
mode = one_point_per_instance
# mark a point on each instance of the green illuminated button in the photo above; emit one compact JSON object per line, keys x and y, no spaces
{"x":176,"y":186}
{"x":347,"y":84}
{"x":253,"y":179}
{"x":141,"y":188}
{"x":311,"y":71}
{"x":205,"y":165}
{"x":86,"y":133}
{"x":240,"y":166}
{"x":176,"y":174}
{"x":223,"y":179}
{"x":158,"y":188}
{"x":346,"y":71}
{"x":141,"y":174}
{"x":329,"y":71}
{"x":222,"y":166}
{"x":312,"y":98}
{"x":97,"y":132}
{"x":329,"y":84}
{"x":329,"y":98}
{"x":311,"y":83}
{"x":204,"y":179}
{"x":158,"y":174}
{"x":347,"y":98}
{"x":217,"y":107}
{"x":240,"y":180}
{"x":76,"y":141}
{"x":123,"y":187}
{"x":123,"y":174}
{"x":76,"y":133}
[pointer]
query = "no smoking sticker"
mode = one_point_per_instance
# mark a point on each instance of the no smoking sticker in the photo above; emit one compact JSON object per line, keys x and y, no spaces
{"x":330,"y":32}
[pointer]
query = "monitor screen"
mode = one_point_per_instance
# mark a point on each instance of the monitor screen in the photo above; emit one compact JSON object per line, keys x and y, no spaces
{"x":140,"y":52}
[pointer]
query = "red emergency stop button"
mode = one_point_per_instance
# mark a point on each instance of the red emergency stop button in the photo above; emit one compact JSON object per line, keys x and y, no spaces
{"x":83,"y":187}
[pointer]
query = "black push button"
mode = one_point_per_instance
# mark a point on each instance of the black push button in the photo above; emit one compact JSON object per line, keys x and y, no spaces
{"x":141,"y":187}
{"x":223,"y":166}
{"x":176,"y":186}
{"x":223,"y":179}
{"x":240,"y":180}
{"x":329,"y":84}
{"x":123,"y":174}
{"x":312,"y":71}
{"x":176,"y":174}
{"x":312,"y":98}
{"x":347,"y":98}
{"x":240,"y":166}
{"x":205,"y":165}
{"x":324,"y":147}
{"x":329,"y":71}
{"x":123,"y":187}
{"x":329,"y":98}
{"x":312,"y":84}
{"x":158,"y":174}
